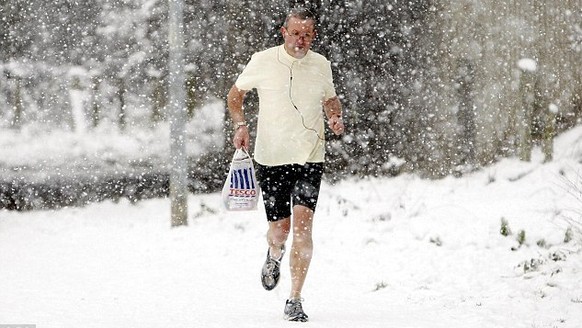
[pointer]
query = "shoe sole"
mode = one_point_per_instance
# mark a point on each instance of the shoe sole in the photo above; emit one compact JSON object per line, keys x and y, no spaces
{"x":296,"y":319}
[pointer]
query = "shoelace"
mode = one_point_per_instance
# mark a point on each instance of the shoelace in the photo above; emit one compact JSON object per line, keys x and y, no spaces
{"x":272,"y":264}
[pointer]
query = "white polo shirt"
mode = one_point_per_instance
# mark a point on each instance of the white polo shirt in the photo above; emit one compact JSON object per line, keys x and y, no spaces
{"x":285,"y":134}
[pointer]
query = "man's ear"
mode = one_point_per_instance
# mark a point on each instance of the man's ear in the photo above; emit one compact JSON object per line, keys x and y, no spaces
{"x":283,"y":31}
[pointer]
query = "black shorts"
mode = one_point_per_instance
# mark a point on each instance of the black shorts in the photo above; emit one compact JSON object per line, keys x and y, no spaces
{"x":285,"y":186}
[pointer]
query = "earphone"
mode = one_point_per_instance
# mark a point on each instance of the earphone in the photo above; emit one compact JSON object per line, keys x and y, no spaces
{"x":291,"y":96}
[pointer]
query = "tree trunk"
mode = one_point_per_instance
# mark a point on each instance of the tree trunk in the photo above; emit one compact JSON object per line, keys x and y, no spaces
{"x":466,"y":113}
{"x":95,"y":102}
{"x":548,"y":135}
{"x":191,"y":99}
{"x":17,"y":105}
{"x":159,"y":100}
{"x":527,"y":93}
{"x":121,"y":119}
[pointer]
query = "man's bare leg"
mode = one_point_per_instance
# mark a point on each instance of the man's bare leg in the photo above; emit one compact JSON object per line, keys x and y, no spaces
{"x":301,"y":249}
{"x":277,"y":235}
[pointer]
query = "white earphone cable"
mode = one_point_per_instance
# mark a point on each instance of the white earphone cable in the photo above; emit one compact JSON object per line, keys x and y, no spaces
{"x":291,"y":96}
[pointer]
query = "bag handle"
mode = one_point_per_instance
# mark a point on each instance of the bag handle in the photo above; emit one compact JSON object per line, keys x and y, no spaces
{"x":241,"y":154}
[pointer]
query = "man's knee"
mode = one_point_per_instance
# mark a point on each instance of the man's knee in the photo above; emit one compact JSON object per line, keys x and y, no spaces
{"x":279,"y":230}
{"x":303,"y":247}
{"x":302,"y":240}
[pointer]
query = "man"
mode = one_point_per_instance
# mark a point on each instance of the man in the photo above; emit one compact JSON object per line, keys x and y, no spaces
{"x":293,"y":83}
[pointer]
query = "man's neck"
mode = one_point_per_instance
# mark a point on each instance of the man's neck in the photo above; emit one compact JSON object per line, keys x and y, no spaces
{"x":295,"y":54}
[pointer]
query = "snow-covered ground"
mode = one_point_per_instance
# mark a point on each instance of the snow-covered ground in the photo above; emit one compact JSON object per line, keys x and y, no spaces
{"x":389,"y":252}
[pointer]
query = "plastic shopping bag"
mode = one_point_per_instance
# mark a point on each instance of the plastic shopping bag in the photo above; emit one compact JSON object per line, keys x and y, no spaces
{"x":241,"y":191}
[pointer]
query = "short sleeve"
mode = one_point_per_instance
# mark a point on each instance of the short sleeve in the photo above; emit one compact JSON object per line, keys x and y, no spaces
{"x":249,"y":78}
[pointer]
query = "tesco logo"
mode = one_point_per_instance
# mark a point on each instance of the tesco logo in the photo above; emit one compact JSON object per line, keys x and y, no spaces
{"x":243,"y":192}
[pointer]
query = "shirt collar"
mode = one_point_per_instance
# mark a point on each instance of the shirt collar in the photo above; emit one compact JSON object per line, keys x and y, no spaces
{"x":287,"y":58}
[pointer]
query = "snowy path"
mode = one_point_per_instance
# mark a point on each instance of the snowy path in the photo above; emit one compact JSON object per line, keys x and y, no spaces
{"x":113,"y":265}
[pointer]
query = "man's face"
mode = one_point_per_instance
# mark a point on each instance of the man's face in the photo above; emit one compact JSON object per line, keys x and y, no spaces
{"x":298,"y":36}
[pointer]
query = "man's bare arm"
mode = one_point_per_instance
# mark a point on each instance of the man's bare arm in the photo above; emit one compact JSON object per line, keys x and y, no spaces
{"x":234,"y":101}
